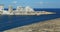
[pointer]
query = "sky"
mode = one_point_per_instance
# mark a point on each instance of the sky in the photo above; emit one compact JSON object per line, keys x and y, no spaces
{"x":32,"y":3}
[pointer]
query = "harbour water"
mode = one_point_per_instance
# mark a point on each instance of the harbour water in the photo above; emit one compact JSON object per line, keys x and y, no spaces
{"x":8,"y":22}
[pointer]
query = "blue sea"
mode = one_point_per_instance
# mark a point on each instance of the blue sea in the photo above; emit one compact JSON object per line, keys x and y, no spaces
{"x":9,"y":22}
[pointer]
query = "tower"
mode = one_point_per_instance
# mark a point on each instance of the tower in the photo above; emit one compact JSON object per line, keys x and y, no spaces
{"x":1,"y":7}
{"x":28,"y":8}
{"x":19,"y":8}
{"x":10,"y":9}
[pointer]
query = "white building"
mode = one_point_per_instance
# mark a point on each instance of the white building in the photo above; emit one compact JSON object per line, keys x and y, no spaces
{"x":29,"y":9}
{"x":1,"y":9}
{"x":21,"y":11}
{"x":19,"y":8}
{"x":10,"y":9}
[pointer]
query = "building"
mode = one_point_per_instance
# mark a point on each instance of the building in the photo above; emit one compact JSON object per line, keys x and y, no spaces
{"x":1,"y":8}
{"x":21,"y":11}
{"x":10,"y":9}
{"x":19,"y":8}
{"x":28,"y":9}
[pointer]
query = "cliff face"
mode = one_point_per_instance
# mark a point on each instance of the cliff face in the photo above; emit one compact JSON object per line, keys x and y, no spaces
{"x":45,"y":26}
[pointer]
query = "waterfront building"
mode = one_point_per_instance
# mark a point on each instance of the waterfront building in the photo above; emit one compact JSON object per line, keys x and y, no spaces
{"x":21,"y":11}
{"x":10,"y":9}
{"x":29,"y":9}
{"x":19,"y":8}
{"x":1,"y":8}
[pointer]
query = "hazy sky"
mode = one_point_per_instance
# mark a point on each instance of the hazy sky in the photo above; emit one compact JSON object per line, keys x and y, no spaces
{"x":32,"y":3}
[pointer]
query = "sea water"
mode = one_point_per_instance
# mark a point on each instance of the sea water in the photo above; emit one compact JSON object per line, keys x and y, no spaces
{"x":9,"y":22}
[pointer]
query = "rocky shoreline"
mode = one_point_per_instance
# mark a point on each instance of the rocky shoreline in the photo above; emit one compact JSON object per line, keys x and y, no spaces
{"x":45,"y":26}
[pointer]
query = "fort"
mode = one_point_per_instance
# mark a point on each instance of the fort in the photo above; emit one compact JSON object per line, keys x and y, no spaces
{"x":21,"y":11}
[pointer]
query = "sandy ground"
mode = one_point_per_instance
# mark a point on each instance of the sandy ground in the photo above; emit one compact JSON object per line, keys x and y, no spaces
{"x":45,"y":26}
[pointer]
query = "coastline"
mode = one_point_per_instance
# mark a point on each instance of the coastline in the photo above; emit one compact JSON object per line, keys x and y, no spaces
{"x":49,"y":25}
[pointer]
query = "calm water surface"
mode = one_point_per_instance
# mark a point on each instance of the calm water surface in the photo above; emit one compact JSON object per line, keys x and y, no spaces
{"x":8,"y":22}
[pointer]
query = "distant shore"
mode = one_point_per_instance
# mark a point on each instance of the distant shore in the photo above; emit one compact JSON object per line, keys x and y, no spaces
{"x":49,"y":25}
